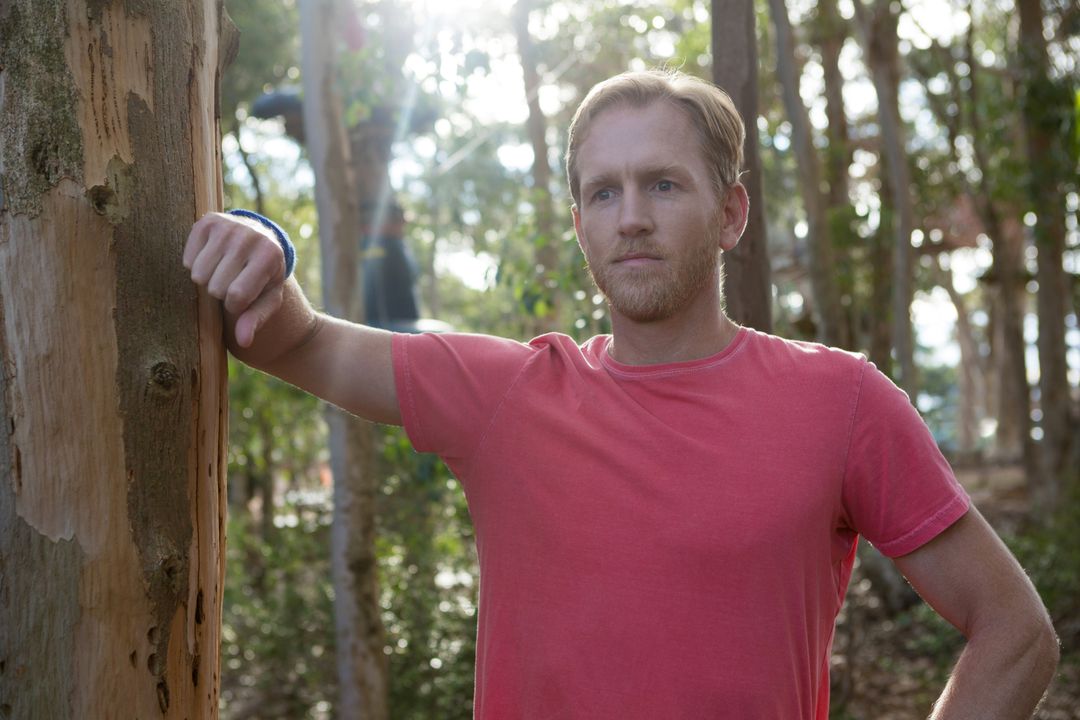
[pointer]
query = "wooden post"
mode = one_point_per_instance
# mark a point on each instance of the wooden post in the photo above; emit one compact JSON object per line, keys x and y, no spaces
{"x":112,"y":443}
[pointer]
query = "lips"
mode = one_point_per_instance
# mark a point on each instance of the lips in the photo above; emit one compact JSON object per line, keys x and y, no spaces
{"x":636,"y":258}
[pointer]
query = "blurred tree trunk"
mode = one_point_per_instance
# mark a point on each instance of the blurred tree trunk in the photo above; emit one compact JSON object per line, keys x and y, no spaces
{"x":879,"y":41}
{"x":1047,"y":107}
{"x":830,"y":32}
{"x":1006,"y":394}
{"x":881,"y":279}
{"x":831,"y":326}
{"x":747,"y":283}
{"x":362,"y":675}
{"x":970,"y":371}
{"x":1012,"y":438}
{"x":112,"y":366}
{"x":548,"y":238}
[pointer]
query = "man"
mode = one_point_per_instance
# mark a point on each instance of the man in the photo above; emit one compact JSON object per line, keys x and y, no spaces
{"x":666,"y":518}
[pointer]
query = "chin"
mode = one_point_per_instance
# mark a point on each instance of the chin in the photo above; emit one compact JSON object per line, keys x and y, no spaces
{"x":642,"y":306}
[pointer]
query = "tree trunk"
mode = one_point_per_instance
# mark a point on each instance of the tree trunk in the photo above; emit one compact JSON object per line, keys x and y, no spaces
{"x":831,"y":326}
{"x":747,"y":283}
{"x":361,"y":663}
{"x":1012,"y":439}
{"x":878,"y":32}
{"x":112,"y":393}
{"x":881,"y":279}
{"x":1046,"y":110}
{"x":830,"y":31}
{"x":548,"y":238}
{"x":970,"y":373}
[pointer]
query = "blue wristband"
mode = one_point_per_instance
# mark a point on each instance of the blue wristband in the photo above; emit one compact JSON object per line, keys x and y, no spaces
{"x":281,"y":235}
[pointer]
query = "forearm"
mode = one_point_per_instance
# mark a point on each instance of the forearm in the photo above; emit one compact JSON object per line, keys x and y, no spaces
{"x":290,"y":327}
{"x":1002,"y":674}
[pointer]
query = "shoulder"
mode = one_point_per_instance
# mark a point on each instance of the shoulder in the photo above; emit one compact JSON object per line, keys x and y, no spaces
{"x":478,"y":350}
{"x":804,"y":361}
{"x":459,"y":344}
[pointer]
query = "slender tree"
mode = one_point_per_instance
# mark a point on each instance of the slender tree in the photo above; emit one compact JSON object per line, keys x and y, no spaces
{"x":362,"y":675}
{"x":747,"y":283}
{"x":877,"y":30}
{"x":831,"y":326}
{"x":548,"y":237}
{"x":1007,"y":279}
{"x":830,"y":31}
{"x":964,"y":113}
{"x":1046,"y":107}
{"x":112,"y":393}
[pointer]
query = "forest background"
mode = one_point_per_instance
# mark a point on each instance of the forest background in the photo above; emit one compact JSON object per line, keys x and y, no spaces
{"x":977,"y":171}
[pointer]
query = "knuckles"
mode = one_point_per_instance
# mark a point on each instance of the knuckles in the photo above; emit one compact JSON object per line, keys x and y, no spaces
{"x":217,"y":238}
{"x":237,"y":299}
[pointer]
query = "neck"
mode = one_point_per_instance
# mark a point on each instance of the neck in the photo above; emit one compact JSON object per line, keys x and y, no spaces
{"x":690,"y":335}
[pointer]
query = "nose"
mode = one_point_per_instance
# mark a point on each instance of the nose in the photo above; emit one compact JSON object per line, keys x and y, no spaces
{"x":634,"y":214}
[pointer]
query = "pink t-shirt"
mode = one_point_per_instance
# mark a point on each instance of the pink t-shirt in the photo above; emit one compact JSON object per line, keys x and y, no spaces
{"x":668,"y":541}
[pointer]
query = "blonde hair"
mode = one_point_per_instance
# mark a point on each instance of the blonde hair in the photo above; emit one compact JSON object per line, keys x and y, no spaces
{"x":710,"y":109}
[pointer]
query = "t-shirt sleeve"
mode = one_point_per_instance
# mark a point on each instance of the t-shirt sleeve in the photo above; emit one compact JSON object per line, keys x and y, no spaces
{"x":450,"y":385}
{"x":899,"y":491}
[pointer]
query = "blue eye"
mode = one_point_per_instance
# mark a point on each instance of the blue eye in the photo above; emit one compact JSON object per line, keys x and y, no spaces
{"x":601,"y":195}
{"x":665,"y":186}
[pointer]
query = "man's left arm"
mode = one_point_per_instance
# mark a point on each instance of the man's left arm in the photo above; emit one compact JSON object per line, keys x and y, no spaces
{"x":972,"y":580}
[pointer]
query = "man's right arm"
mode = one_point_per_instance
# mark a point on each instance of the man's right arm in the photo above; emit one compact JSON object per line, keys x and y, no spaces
{"x":271,"y":326}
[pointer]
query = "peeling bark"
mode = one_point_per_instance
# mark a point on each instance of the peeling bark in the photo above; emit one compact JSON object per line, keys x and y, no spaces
{"x":112,"y":466}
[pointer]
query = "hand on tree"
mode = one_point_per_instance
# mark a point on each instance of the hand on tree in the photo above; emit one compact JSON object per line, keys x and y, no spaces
{"x":241,"y":263}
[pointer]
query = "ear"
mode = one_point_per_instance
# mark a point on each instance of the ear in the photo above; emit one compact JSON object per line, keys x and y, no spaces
{"x":577,"y":226}
{"x":733,"y":216}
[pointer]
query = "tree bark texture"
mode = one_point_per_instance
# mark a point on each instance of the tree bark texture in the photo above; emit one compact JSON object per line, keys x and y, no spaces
{"x":747,"y":281}
{"x":831,"y":325}
{"x":1046,"y":108}
{"x":112,"y":391}
{"x":879,"y":41}
{"x":361,"y":663}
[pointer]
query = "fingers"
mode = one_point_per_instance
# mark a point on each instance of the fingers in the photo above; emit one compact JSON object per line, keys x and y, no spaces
{"x":256,"y":314}
{"x":241,"y":284}
{"x":200,"y":234}
{"x":235,"y":260}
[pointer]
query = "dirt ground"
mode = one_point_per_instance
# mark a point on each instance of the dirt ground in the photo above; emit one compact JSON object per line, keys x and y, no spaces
{"x":893,"y":668}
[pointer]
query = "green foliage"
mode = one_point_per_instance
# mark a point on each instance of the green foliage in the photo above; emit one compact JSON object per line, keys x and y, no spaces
{"x":428,"y":574}
{"x":278,"y":626}
{"x":269,"y":52}
{"x":928,"y":635}
{"x":1050,"y":552}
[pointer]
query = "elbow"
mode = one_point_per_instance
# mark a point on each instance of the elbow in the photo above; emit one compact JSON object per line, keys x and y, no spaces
{"x":1052,"y":645}
{"x":1042,"y":648}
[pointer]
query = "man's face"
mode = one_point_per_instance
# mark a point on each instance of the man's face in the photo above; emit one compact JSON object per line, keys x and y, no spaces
{"x":650,"y":223}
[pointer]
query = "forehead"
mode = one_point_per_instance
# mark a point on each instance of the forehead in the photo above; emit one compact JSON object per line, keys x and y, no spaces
{"x":624,"y":137}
